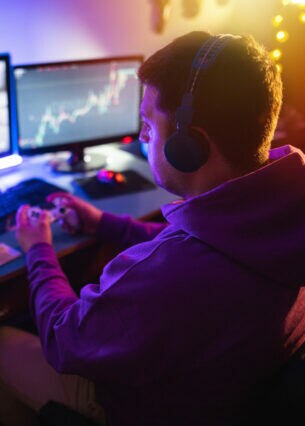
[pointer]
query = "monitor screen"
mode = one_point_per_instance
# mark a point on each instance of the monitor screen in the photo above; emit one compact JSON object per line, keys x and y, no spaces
{"x":5,"y":106}
{"x":76,"y":104}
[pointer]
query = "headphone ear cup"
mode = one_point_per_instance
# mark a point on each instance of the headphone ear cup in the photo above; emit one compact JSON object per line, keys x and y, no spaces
{"x":187,"y":151}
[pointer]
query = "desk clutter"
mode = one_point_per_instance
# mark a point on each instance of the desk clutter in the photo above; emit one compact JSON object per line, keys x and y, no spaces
{"x":130,"y":181}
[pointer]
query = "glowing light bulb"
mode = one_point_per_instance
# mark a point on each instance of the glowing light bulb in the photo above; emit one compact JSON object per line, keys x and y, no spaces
{"x":282,"y":36}
{"x":277,"y":20}
{"x":276,"y":54}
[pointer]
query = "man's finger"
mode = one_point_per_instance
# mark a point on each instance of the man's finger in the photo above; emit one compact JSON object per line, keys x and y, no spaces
{"x":50,"y":198}
{"x":45,"y":216}
{"x":21,"y":215}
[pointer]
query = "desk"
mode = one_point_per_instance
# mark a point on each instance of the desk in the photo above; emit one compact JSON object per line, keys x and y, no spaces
{"x":68,"y":248}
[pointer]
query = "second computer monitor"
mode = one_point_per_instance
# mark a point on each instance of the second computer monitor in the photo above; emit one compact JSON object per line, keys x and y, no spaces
{"x":76,"y":104}
{"x":5,"y":106}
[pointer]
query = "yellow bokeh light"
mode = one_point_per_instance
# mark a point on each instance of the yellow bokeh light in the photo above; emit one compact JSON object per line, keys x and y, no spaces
{"x":296,"y":2}
{"x":276,"y":54}
{"x":282,"y":36}
{"x":277,"y":20}
{"x":279,"y":67}
{"x":302,"y":18}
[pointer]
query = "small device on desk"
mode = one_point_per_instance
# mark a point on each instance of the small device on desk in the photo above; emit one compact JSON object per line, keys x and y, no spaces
{"x":110,"y":177}
{"x":68,"y":106}
{"x":107,"y":183}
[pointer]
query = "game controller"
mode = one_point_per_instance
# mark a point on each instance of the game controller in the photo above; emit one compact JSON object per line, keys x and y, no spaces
{"x":33,"y":214}
{"x":66,"y":214}
{"x":61,"y":213}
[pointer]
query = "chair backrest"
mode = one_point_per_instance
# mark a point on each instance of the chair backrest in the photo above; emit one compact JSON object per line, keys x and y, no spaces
{"x":56,"y":414}
{"x":282,"y":398}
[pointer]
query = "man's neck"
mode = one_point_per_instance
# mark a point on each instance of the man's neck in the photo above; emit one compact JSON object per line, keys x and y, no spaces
{"x":214,"y":173}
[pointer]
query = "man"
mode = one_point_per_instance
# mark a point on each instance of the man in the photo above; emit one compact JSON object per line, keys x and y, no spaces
{"x":190,"y":317}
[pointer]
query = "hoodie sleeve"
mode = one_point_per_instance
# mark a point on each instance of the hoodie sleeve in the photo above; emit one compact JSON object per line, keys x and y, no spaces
{"x":106,"y":333}
{"x":126,"y":231}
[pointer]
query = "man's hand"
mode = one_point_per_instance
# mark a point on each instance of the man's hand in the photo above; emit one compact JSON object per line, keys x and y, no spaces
{"x":27,"y":234}
{"x":89,"y":215}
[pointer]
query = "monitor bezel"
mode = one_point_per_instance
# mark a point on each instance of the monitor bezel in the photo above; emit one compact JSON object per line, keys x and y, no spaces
{"x":76,"y":144}
{"x":7,"y":59}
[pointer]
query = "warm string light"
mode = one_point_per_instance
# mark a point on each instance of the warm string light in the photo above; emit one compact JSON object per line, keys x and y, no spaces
{"x":282,"y":36}
{"x":276,"y":54}
{"x":278,"y":21}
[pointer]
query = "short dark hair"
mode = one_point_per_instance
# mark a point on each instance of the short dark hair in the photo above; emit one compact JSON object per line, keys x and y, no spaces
{"x":237,"y":99}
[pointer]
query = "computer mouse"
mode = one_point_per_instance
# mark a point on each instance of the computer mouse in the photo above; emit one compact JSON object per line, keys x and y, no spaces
{"x":110,"y":177}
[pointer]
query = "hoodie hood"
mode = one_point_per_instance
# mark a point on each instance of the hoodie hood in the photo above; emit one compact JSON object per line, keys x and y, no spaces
{"x":257,"y":220}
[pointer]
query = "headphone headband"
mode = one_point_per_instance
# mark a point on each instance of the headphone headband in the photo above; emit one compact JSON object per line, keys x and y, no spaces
{"x":206,"y":55}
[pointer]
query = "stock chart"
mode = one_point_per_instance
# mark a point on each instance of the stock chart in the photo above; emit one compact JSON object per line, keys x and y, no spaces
{"x":64,"y":104}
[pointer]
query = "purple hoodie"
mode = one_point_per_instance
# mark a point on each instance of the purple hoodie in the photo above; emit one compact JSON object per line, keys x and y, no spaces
{"x":193,"y":315}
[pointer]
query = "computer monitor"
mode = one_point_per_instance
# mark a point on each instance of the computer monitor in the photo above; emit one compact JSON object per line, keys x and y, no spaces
{"x":6,"y":146}
{"x":68,"y":106}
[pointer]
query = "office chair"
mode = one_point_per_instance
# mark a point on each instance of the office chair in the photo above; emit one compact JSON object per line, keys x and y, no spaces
{"x":56,"y":414}
{"x":279,"y":402}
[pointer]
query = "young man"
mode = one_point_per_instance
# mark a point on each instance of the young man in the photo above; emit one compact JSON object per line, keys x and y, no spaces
{"x":192,"y":315}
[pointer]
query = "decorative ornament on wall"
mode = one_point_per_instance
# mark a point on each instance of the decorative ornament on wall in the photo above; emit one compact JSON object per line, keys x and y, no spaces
{"x":161,"y":9}
{"x":159,"y":15}
{"x":191,"y":8}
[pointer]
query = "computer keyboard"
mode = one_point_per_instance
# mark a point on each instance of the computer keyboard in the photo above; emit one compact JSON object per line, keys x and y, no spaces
{"x":32,"y":191}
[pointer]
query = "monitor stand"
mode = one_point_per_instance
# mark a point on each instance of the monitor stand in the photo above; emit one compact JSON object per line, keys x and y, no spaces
{"x":78,"y":162}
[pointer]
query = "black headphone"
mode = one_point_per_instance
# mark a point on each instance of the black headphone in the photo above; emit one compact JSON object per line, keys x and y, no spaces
{"x":188,"y":149}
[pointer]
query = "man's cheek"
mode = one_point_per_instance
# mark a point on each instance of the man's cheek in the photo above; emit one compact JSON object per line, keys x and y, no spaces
{"x":150,"y":153}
